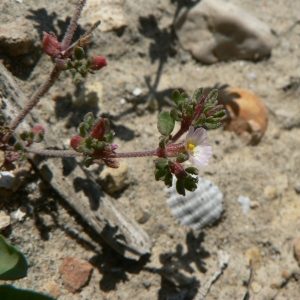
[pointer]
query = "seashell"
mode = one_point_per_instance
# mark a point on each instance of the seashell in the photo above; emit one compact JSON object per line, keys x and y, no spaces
{"x":197,"y":209}
{"x":247,"y":115}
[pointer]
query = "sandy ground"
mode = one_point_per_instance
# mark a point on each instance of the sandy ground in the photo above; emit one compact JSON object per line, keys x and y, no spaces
{"x":182,"y":260}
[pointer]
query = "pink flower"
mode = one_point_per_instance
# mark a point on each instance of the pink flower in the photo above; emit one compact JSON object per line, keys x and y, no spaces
{"x":197,"y":146}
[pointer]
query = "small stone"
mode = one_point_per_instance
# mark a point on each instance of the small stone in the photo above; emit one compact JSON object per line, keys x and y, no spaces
{"x":51,"y":288}
{"x":137,"y":91}
{"x":256,"y":287}
{"x":270,"y":192}
{"x":297,"y":251}
{"x":214,"y":30}
{"x":143,"y":216}
{"x":245,"y":202}
{"x":114,"y":180}
{"x":4,"y":220}
{"x":20,"y":213}
{"x":254,"y":204}
{"x":18,"y":38}
{"x":6,"y":180}
{"x":75,"y":273}
{"x":297,"y":187}
{"x":110,"y":13}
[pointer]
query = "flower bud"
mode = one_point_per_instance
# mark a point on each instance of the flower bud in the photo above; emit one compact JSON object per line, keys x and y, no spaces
{"x":112,"y":163}
{"x":97,"y":63}
{"x":39,"y":132}
{"x":76,"y":142}
{"x":63,"y":64}
{"x":178,"y":170}
{"x":51,"y":45}
{"x":98,"y":130}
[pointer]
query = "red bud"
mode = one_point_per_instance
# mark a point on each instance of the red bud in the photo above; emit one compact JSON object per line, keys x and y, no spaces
{"x":38,"y":129}
{"x":51,"y":45}
{"x":98,"y":130}
{"x":76,"y":142}
{"x":98,"y":62}
{"x":112,"y":163}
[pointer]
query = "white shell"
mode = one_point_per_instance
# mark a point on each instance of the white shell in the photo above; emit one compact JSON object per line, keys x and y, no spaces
{"x":199,"y":208}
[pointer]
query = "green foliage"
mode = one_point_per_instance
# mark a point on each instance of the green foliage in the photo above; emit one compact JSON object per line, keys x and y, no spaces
{"x":165,"y":123}
{"x":13,"y":264}
{"x":9,"y":292}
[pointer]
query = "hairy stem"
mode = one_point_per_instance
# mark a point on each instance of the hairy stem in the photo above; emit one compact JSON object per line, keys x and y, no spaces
{"x":73,"y":25}
{"x":43,"y":89}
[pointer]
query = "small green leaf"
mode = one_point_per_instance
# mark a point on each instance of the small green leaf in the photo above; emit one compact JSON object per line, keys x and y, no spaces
{"x":221,"y":113}
{"x":189,"y":184}
{"x":88,"y":162}
{"x":212,"y":96}
{"x":18,"y":146}
{"x":208,"y":107}
{"x":168,"y":179}
{"x":180,"y":186}
{"x":161,"y":163}
{"x":9,"y":292}
{"x":24,"y":135}
{"x":89,"y":121}
{"x":78,"y":53}
{"x":165,"y":123}
{"x":176,"y":97}
{"x":176,"y":115}
{"x":182,"y":158}
{"x":160,"y":174}
{"x":13,"y":264}
{"x":192,"y":170}
{"x":213,"y":126}
{"x":197,"y":94}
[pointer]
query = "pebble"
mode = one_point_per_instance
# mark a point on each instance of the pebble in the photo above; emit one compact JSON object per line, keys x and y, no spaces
{"x":111,"y":14}
{"x":256,"y":287}
{"x":51,"y":288}
{"x":6,"y":180}
{"x":270,"y":192}
{"x":114,"y":180}
{"x":297,"y":187}
{"x":245,"y":202}
{"x":4,"y":220}
{"x":247,"y":115}
{"x":214,"y":30}
{"x":297,"y":251}
{"x":19,"y":38}
{"x":75,"y":273}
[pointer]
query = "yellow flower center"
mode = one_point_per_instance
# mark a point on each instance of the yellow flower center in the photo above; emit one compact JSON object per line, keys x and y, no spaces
{"x":191,"y":147}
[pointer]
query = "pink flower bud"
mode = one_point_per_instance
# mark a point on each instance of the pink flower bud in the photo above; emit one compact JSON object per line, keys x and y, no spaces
{"x":76,"y":142}
{"x":51,"y":45}
{"x":98,"y":62}
{"x":62,"y":64}
{"x":38,"y":129}
{"x":98,"y":130}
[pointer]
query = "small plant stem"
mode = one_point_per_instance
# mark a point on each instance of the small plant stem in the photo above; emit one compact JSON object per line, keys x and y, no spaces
{"x":43,"y":89}
{"x":73,"y":25}
{"x":134,"y":154}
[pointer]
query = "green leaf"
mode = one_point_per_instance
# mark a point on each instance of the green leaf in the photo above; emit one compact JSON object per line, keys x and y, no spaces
{"x":78,"y":53}
{"x":176,"y":97}
{"x":89,"y":121}
{"x":221,"y":113}
{"x":190,"y":184}
{"x":161,"y":163}
{"x":165,"y":123}
{"x":13,"y":264}
{"x":213,"y":126}
{"x":160,"y":174}
{"x":197,"y":94}
{"x":168,"y":179}
{"x":176,"y":115}
{"x":212,"y":96}
{"x":180,"y":187}
{"x":9,"y":292}
{"x":182,"y":158}
{"x":192,"y":170}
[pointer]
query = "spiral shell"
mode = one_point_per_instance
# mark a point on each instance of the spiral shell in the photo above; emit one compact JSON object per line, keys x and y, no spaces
{"x":197,"y":209}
